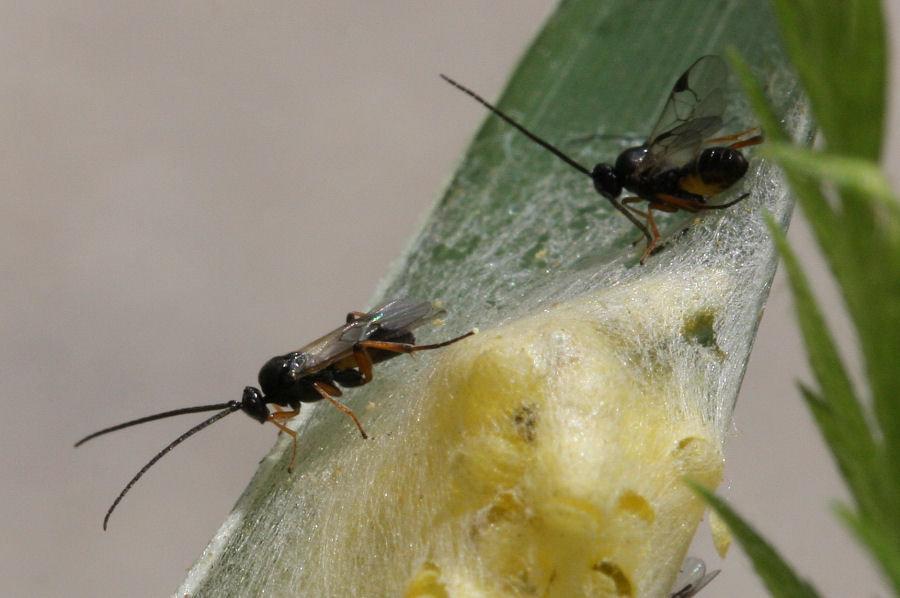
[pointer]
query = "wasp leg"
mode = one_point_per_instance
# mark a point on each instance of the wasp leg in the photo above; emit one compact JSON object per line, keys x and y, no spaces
{"x":696,"y":206}
{"x":281,"y":414}
{"x":672,"y":203}
{"x":735,"y":137}
{"x":722,"y":206}
{"x":364,"y":360}
{"x":407,"y":347}
{"x":355,"y":315}
{"x":651,"y":240}
{"x":746,"y":142}
{"x":628,"y":212}
{"x":327,"y":390}
{"x":284,"y":415}
{"x":363,"y":363}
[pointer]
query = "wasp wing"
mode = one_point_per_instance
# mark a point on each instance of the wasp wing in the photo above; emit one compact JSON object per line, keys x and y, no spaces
{"x":692,"y":577}
{"x":389,"y":320}
{"x":691,"y":115}
{"x":400,"y":315}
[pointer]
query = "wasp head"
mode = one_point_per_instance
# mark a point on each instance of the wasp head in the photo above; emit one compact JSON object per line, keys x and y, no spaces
{"x":253,"y":403}
{"x":606,"y":181}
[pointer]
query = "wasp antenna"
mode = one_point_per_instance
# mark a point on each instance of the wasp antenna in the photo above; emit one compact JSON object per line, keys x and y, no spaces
{"x":545,"y":144}
{"x":151,"y":418}
{"x":231,"y":407}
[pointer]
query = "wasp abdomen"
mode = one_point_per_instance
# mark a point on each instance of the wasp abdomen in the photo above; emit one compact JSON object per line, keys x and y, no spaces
{"x":713,"y":171}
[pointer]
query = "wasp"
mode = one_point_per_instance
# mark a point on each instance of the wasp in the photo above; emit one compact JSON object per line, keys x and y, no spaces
{"x":692,"y":577}
{"x":679,"y":167}
{"x":342,"y":358}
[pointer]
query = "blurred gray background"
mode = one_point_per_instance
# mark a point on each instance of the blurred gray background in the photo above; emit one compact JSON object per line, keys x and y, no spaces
{"x":190,"y":188}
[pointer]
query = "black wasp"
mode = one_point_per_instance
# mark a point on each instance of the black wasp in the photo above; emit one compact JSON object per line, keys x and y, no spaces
{"x":343,"y":357}
{"x":679,"y":167}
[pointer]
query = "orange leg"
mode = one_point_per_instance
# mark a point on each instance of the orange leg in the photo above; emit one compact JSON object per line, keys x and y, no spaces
{"x":734,"y":137}
{"x":693,"y":206}
{"x":738,"y":141}
{"x":678,"y":203}
{"x":363,"y":362}
{"x":628,"y":213}
{"x":281,"y":414}
{"x":285,"y":415}
{"x":746,"y":142}
{"x":651,"y":241}
{"x":326,"y":390}
{"x":728,"y":204}
{"x":408,"y":348}
{"x":656,"y":235}
{"x":629,"y":200}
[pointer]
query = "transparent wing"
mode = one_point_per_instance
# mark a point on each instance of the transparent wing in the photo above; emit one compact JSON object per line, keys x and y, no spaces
{"x":692,"y":114}
{"x":400,"y":315}
{"x":692,"y":577}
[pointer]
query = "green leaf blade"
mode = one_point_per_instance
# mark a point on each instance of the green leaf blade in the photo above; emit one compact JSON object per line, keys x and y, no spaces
{"x":516,"y":233}
{"x":839,"y":52}
{"x":837,"y":47}
{"x":778,"y":577}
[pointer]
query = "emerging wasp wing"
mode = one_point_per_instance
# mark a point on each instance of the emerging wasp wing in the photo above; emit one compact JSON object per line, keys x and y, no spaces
{"x":692,"y":577}
{"x":692,"y":114}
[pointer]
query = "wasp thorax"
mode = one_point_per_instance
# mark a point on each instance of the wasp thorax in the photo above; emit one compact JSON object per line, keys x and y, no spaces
{"x":274,"y":373}
{"x":628,"y":161}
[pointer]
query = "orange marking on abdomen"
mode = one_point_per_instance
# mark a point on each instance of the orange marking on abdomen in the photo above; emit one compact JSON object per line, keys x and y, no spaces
{"x":694,"y":183}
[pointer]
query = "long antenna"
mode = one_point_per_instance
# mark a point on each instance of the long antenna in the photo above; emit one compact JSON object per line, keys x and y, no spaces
{"x":545,"y":144}
{"x":232,"y":407}
{"x":552,"y":149}
{"x":227,"y":408}
{"x":151,"y":418}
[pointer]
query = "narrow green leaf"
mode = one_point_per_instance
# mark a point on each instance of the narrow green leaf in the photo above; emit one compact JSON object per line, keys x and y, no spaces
{"x":839,"y":51}
{"x":837,"y":389}
{"x":837,"y":410}
{"x":869,"y":472}
{"x":769,"y":120}
{"x":848,"y":174}
{"x":862,"y":244}
{"x":822,"y":217}
{"x":516,"y":233}
{"x":778,"y":576}
{"x":880,"y":541}
{"x":855,"y":455}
